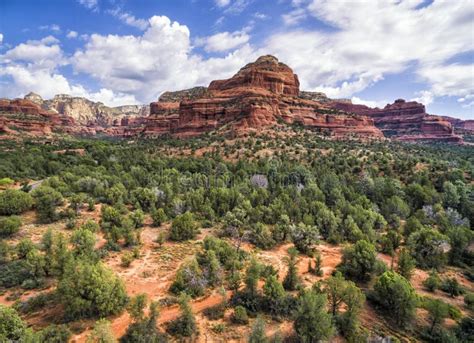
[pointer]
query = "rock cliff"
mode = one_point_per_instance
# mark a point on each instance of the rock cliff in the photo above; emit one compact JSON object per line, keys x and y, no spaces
{"x":262,"y":94}
{"x":404,"y":120}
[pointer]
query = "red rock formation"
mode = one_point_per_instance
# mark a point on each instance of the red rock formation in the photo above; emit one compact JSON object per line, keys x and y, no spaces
{"x":404,"y":120}
{"x":259,"y":95}
{"x":460,"y":125}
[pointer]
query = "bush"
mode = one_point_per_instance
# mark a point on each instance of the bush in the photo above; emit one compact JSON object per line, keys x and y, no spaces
{"x":469,"y":301}
{"x":9,"y":225}
{"x":12,"y":328}
{"x":240,"y":315}
{"x":185,"y":325}
{"x":47,"y":199}
{"x":126,"y":259}
{"x":13,"y":201}
{"x":183,"y":227}
{"x":398,"y":298}
{"x":189,"y":279}
{"x":54,"y":334}
{"x":158,"y":216}
{"x":452,"y":287}
{"x":91,"y":290}
{"x":432,"y":282}
{"x":359,"y":260}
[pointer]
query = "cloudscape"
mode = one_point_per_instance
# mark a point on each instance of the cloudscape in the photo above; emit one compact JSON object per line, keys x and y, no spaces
{"x":129,"y":52}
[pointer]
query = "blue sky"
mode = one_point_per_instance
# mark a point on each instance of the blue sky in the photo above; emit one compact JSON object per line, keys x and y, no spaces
{"x":124,"y":51}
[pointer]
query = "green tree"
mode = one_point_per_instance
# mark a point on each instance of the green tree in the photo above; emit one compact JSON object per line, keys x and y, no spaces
{"x":291,"y":281}
{"x":144,"y":330}
{"x":83,"y":242}
{"x":183,"y":227}
{"x":273,"y":289}
{"x":406,"y":264}
{"x":47,"y":199}
{"x":312,"y":322}
{"x":240,"y":315}
{"x":54,"y":334}
{"x":427,"y":247}
{"x":136,"y":307}
{"x":257,"y":335}
{"x":185,"y":325}
{"x":395,"y":294}
{"x":432,"y":282}
{"x":252,"y":276}
{"x":358,"y":261}
{"x":91,"y":290}
{"x":189,"y":279}
{"x":438,"y":311}
{"x":14,"y":201}
{"x":9,"y":226}
{"x":304,"y":237}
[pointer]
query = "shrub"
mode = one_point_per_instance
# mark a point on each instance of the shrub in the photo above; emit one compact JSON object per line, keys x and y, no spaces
{"x":126,"y":259}
{"x":185,"y":325}
{"x":469,"y":301}
{"x":14,"y":201}
{"x":183,"y":227}
{"x":426,"y":246}
{"x":158,"y":216}
{"x":102,"y":333}
{"x":91,"y":290}
{"x":54,"y":334}
{"x":304,"y":238}
{"x":47,"y":199}
{"x":358,"y":261}
{"x":12,"y":328}
{"x":240,"y":315}
{"x":398,"y":298}
{"x":432,"y":282}
{"x":189,"y":279}
{"x":9,"y":225}
{"x":452,"y":287}
{"x":312,"y":322}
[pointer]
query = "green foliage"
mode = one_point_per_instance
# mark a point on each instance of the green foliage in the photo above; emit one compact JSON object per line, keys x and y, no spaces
{"x":240,"y":315}
{"x":426,"y":246}
{"x":54,"y":334}
{"x":257,"y":335}
{"x":158,"y":216}
{"x":83,"y":242}
{"x":185,"y":325}
{"x":144,"y":329}
{"x":12,"y":327}
{"x":190,"y":280}
{"x":252,"y":276}
{"x":312,"y":322}
{"x":273,"y":289}
{"x":291,"y":281}
{"x":406,"y":264}
{"x":438,"y":311}
{"x":469,"y":301}
{"x":452,"y":287}
{"x":91,"y":290}
{"x":102,"y":333}
{"x":358,"y":261}
{"x":183,"y":227}
{"x":432,"y":282}
{"x":9,"y":225}
{"x":396,"y":296}
{"x":136,"y":307}
{"x":47,"y":199}
{"x":304,"y":237}
{"x":137,"y":218}
{"x":14,"y":201}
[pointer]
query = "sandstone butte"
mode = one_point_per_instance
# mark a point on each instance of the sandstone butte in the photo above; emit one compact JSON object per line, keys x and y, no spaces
{"x":261,"y":95}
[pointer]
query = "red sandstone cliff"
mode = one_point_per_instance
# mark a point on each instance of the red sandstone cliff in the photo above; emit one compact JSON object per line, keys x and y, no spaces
{"x":260,"y":95}
{"x":404,"y":120}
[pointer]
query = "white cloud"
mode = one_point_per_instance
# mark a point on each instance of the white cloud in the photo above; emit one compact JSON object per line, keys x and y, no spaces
{"x":90,"y":4}
{"x":374,"y":39}
{"x":53,"y":27}
{"x":71,"y":34}
{"x":295,"y":16}
{"x":1,"y":38}
{"x":425,"y":97}
{"x":222,"y":3}
{"x":161,"y":59}
{"x":223,"y":41}
{"x":129,"y":19}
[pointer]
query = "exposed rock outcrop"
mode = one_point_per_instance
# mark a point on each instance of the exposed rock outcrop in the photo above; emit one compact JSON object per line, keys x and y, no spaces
{"x":404,"y":120}
{"x":262,"y":94}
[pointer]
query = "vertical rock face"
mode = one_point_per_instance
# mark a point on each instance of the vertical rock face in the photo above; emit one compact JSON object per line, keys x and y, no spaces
{"x":404,"y":120}
{"x":260,"y":95}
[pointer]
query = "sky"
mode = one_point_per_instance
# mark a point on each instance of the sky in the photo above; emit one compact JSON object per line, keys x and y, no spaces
{"x":130,"y":51}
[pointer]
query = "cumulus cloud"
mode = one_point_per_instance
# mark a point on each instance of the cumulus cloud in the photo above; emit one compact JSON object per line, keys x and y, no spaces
{"x":161,"y":59}
{"x":370,"y":103}
{"x":71,"y":34}
{"x":223,"y":41}
{"x":374,"y":39}
{"x":1,"y":38}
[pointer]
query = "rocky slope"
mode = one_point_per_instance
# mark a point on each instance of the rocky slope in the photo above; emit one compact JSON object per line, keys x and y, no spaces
{"x":87,"y":112}
{"x":404,"y":120}
{"x":262,"y":94}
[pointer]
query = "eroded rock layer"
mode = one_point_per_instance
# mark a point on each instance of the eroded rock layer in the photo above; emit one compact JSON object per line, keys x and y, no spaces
{"x":404,"y":120}
{"x":262,"y":94}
